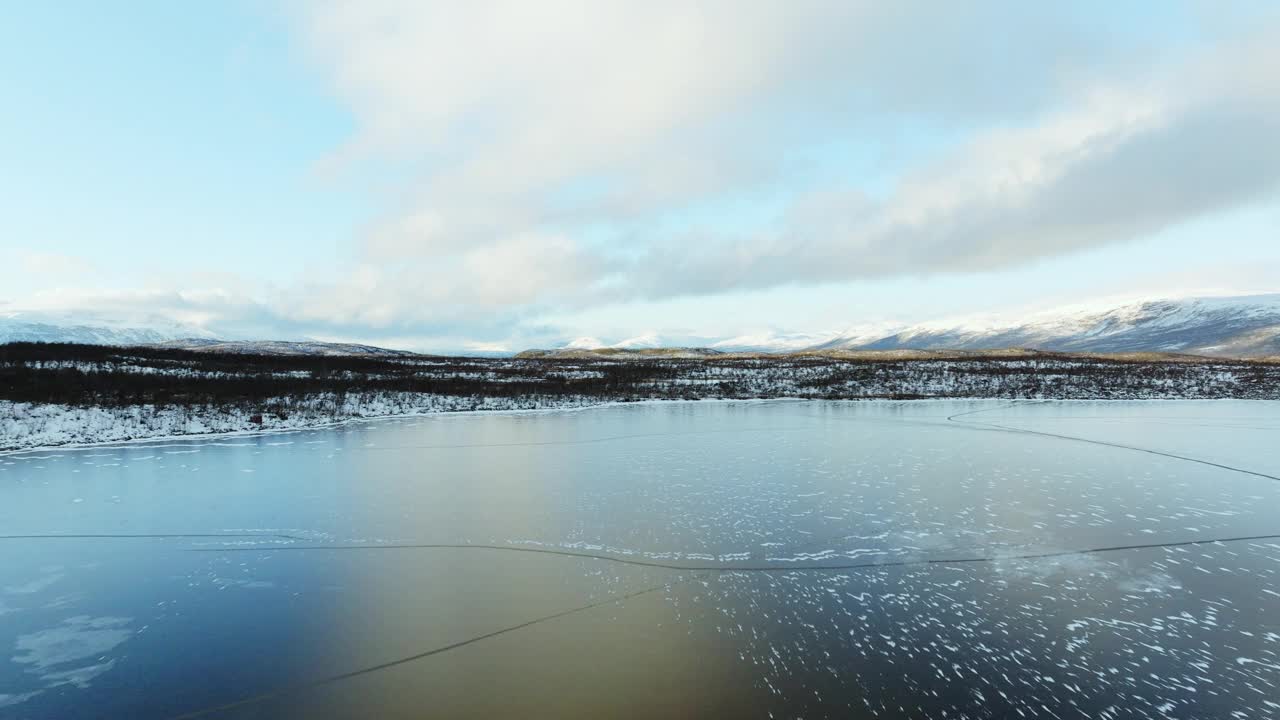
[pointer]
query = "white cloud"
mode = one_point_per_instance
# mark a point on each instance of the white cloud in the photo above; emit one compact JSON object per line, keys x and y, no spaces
{"x":1119,"y":162}
{"x":545,"y":157}
{"x":523,"y":126}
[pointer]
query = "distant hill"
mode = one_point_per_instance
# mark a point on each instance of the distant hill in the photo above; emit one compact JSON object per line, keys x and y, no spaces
{"x":1240,"y":326}
{"x":771,"y":342}
{"x":282,"y":347}
{"x":577,"y":353}
{"x":1245,"y":326}
{"x":24,"y":329}
{"x":21,"y":329}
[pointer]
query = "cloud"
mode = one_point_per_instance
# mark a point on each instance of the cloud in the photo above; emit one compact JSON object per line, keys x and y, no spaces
{"x":541,"y":158}
{"x":1118,"y":163}
{"x":528,"y":132}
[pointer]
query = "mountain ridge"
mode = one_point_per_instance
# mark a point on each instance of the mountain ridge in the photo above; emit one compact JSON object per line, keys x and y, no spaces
{"x":1230,"y":326}
{"x":1244,"y":326}
{"x":283,"y":347}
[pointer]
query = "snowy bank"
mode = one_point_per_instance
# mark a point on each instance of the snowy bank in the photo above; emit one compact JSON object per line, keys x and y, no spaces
{"x":32,"y":425}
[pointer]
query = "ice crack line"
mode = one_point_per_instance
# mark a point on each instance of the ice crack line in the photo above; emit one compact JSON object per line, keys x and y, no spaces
{"x":744,"y":568}
{"x":321,"y":682}
{"x":1103,"y":443}
{"x":331,"y":679}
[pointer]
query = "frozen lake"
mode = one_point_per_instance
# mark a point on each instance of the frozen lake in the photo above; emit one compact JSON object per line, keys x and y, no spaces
{"x":876,"y":559}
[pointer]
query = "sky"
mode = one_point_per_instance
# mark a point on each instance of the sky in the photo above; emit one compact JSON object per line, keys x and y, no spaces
{"x":498,"y":175}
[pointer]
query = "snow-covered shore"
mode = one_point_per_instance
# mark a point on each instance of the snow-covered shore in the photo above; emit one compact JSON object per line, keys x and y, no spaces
{"x":25,"y":426}
{"x":59,"y":397}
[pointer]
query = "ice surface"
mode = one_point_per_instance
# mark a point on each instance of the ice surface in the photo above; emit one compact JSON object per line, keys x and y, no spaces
{"x":869,"y":558}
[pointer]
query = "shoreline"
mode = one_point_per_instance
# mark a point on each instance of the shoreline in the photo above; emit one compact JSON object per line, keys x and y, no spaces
{"x":336,"y":423}
{"x":92,"y":396}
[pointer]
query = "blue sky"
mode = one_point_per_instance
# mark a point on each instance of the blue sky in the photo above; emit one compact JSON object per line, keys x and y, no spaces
{"x":508,"y":174}
{"x":163,"y":140}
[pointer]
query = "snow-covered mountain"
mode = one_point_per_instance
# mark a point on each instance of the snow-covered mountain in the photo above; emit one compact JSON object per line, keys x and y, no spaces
{"x":584,"y":343}
{"x":766,"y":341}
{"x":639,"y":342}
{"x":1234,"y":326}
{"x":647,"y":341}
{"x":1241,"y":326}
{"x":35,"y":328}
{"x":283,"y":347}
{"x":772,"y":342}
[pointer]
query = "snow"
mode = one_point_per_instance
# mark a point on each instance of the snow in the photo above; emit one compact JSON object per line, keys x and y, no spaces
{"x":30,"y":425}
{"x":640,"y":342}
{"x":283,"y":347}
{"x":92,"y":328}
{"x":1204,"y":324}
{"x":773,"y":341}
{"x":1207,"y":324}
{"x":584,"y":343}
